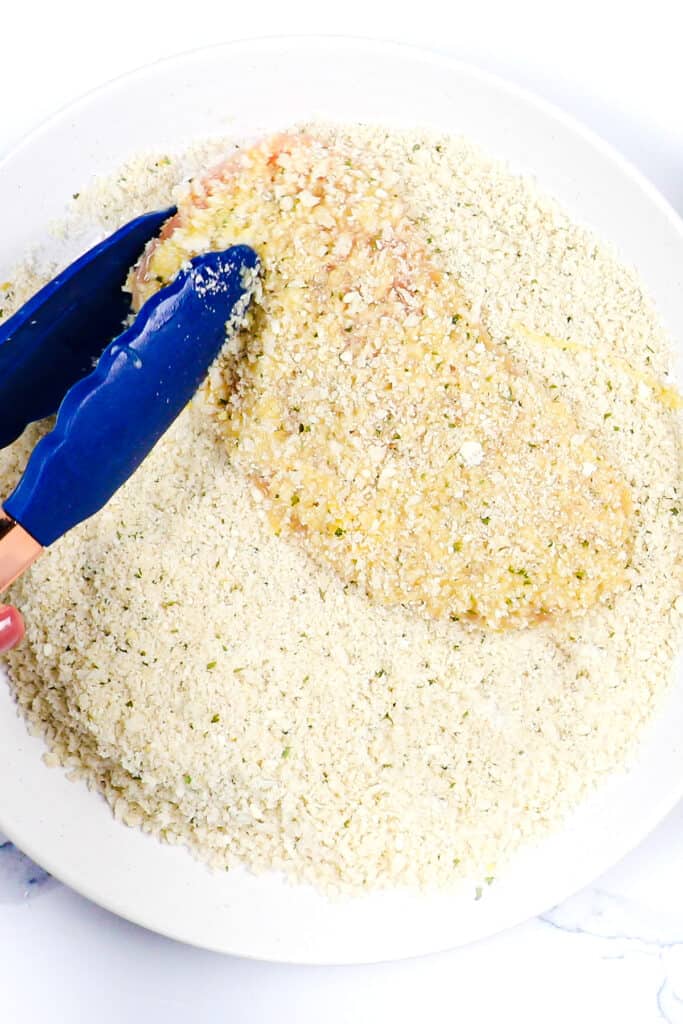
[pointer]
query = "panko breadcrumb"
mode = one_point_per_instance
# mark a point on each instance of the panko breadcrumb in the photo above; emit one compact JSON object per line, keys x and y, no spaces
{"x":225,"y":689}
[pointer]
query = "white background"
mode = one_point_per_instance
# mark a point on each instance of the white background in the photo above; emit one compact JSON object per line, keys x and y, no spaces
{"x":615,"y":952}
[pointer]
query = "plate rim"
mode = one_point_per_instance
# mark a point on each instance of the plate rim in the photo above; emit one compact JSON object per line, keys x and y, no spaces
{"x":525,"y":93}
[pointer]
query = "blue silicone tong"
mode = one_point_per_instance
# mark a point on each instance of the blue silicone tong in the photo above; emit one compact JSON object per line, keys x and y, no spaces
{"x":114,"y":399}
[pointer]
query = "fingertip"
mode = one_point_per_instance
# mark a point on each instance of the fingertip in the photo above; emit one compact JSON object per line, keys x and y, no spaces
{"x":11,"y":627}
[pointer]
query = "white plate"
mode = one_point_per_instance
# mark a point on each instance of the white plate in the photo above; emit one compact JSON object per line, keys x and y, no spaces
{"x":243,"y":88}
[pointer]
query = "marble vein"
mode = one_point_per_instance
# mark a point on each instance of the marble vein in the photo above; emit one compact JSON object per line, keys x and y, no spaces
{"x":20,"y":877}
{"x":617,"y":928}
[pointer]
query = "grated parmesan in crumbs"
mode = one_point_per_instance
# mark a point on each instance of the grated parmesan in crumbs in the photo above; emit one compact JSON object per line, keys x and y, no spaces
{"x":306,"y":728}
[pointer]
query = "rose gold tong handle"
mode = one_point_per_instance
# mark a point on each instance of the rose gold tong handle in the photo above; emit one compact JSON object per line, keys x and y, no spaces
{"x":18,"y":550}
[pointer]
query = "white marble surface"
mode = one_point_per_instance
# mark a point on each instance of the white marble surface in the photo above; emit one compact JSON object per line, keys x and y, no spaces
{"x":612,"y":953}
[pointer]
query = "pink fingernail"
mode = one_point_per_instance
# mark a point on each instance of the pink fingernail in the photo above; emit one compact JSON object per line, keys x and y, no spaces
{"x":11,"y":628}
